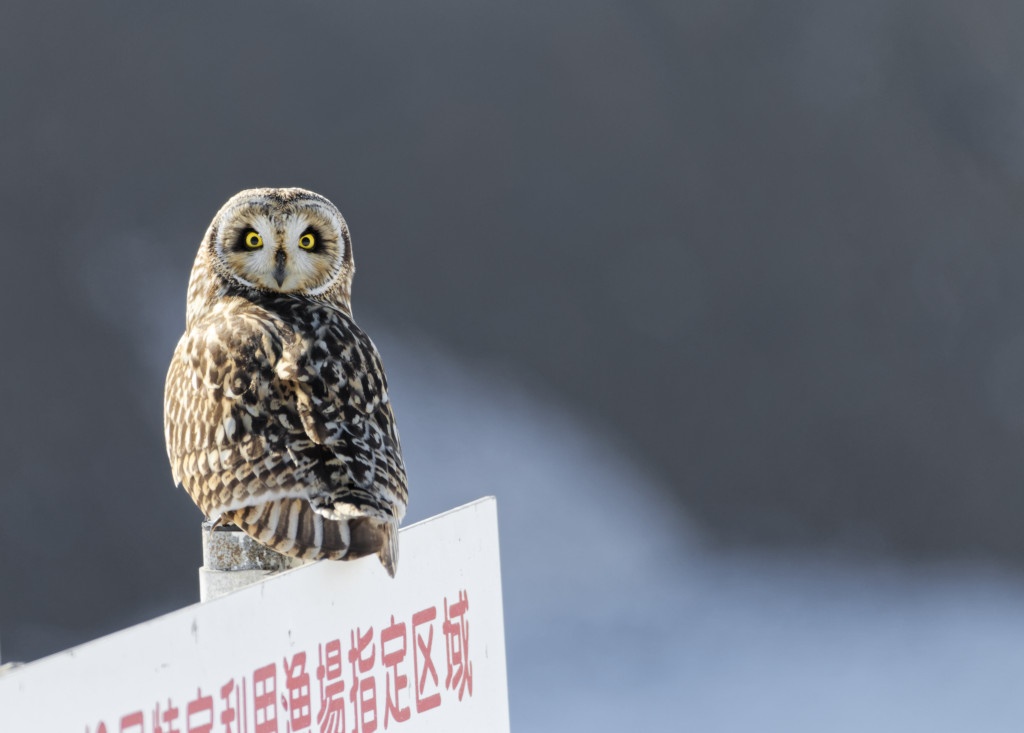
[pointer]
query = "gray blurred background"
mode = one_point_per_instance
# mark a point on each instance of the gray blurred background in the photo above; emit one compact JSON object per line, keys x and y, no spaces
{"x":766,"y":255}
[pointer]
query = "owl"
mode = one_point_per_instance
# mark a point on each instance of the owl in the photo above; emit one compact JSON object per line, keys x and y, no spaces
{"x":276,"y":409}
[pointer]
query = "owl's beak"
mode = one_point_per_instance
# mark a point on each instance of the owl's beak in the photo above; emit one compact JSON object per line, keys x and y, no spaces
{"x":279,"y":261}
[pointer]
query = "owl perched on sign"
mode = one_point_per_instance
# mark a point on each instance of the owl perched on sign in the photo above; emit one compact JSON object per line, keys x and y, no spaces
{"x":276,"y":409}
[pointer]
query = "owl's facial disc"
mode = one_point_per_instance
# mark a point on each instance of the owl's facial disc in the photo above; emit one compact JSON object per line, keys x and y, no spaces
{"x":297,"y":250}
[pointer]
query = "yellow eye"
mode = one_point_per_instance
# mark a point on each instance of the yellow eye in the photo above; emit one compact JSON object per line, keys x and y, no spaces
{"x":307,"y":241}
{"x":253,"y":240}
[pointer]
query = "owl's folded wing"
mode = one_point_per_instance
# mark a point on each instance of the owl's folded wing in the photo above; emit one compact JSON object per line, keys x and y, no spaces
{"x":342,"y":402}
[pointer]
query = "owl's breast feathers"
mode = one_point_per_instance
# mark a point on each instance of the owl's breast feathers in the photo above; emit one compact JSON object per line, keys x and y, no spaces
{"x":283,"y":400}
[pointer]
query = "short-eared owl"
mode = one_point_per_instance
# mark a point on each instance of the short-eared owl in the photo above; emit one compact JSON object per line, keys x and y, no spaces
{"x":276,"y":409}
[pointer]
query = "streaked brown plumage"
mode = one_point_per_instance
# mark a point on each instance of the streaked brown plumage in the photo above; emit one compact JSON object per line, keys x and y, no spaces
{"x":276,"y":411}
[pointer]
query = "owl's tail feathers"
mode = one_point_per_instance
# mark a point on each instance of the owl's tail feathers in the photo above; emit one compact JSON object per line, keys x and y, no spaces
{"x":370,"y":536}
{"x":388,"y":552}
{"x":293,"y":527}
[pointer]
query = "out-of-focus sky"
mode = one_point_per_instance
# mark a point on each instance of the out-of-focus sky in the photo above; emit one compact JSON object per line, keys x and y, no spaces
{"x":623,"y":616}
{"x":766,"y":254}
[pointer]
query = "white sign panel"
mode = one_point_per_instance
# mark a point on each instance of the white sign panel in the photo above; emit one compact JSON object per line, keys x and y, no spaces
{"x":333,"y":647}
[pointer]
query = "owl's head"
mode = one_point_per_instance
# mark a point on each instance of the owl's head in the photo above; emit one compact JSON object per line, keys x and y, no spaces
{"x":283,"y":240}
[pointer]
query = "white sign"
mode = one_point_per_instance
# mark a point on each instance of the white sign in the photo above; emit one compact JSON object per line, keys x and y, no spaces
{"x":333,"y":647}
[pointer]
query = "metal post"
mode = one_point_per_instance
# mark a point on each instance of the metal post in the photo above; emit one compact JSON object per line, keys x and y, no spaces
{"x":232,"y":560}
